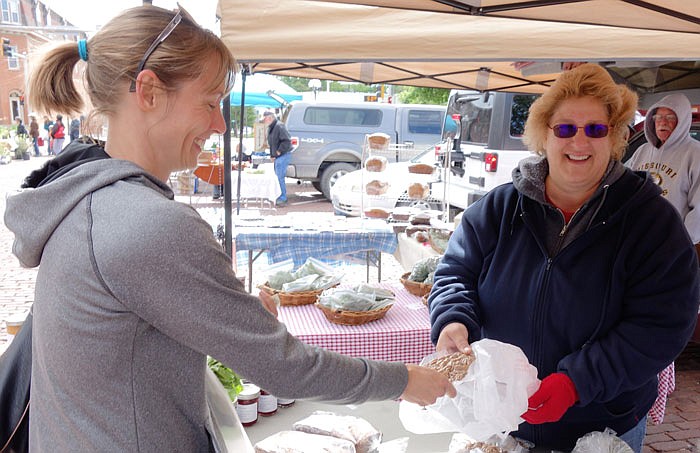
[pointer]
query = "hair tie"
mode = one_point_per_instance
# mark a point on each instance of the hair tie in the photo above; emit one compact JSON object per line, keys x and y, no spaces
{"x":82,"y":50}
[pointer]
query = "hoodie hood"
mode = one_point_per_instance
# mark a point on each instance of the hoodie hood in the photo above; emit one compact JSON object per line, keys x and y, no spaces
{"x":681,"y":107}
{"x":33,"y":214}
{"x":76,"y":153}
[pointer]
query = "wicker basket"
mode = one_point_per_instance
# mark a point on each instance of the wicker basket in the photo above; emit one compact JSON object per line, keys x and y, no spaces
{"x":352,"y":318}
{"x":293,"y":298}
{"x":416,"y":288}
{"x":424,"y":299}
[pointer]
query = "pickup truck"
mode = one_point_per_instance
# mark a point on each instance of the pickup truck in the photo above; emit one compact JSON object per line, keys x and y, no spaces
{"x":327,"y":138}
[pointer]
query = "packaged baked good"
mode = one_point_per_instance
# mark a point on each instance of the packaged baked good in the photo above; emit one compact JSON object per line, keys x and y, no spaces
{"x":376,"y":163}
{"x":365,"y":437}
{"x":302,"y":442}
{"x":418,"y":191}
{"x":422,"y":218}
{"x":421,"y":169}
{"x":378,"y":141}
{"x":376,"y":187}
{"x":453,"y":366}
{"x":377,"y":213}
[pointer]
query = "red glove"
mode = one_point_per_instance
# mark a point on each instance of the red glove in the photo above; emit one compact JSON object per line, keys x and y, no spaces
{"x":555,"y":396}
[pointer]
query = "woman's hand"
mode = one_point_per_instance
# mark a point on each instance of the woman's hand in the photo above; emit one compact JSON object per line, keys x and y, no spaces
{"x":268,"y":302}
{"x":454,"y":337}
{"x":425,"y":386}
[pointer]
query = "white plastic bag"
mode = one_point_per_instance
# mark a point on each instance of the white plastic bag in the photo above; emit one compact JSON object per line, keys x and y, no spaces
{"x":490,"y":398}
{"x":601,"y":442}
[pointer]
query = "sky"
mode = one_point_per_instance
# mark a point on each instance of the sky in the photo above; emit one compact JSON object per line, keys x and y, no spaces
{"x":91,"y":14}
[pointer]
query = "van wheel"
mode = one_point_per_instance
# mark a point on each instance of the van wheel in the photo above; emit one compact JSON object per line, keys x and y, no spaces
{"x":317,"y":185}
{"x":331,"y":174}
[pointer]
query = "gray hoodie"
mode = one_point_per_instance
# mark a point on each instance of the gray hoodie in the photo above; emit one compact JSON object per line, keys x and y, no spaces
{"x":675,"y":165}
{"x":132,"y":293}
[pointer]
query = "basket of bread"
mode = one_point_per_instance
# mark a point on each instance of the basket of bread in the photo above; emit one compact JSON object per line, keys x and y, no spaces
{"x":419,"y":281}
{"x":302,"y":286}
{"x":358,"y":305}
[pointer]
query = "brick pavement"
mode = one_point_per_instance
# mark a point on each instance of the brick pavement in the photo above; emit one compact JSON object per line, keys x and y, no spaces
{"x":679,"y":433}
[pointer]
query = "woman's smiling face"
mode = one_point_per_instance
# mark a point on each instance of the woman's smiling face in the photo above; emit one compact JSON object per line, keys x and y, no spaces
{"x":577,"y":164}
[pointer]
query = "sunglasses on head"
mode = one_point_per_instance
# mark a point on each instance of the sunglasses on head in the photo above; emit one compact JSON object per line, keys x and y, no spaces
{"x":167,"y":31}
{"x":592,"y":130}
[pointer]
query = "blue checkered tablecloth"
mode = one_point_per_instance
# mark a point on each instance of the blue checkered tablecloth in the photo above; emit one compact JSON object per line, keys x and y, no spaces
{"x":285,"y":243}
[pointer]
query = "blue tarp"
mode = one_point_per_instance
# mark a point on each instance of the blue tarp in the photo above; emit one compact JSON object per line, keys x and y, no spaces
{"x":262,"y":99}
{"x":256,"y":88}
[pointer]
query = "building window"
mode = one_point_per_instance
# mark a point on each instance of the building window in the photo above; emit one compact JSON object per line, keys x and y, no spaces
{"x":10,"y":11}
{"x":13,"y":62}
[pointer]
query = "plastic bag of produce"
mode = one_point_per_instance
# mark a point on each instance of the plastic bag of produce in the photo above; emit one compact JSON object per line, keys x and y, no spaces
{"x":490,"y":398}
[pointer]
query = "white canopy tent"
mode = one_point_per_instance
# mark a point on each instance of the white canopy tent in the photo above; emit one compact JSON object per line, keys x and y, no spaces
{"x":410,"y":45}
{"x":669,"y":15}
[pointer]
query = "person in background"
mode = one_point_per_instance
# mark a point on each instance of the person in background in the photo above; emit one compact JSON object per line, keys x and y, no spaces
{"x":75,"y":128}
{"x":34,"y":134}
{"x":21,"y":130}
{"x":121,"y":335}
{"x":280,"y":150}
{"x":581,"y":263}
{"x":58,"y":133}
{"x":48,"y":126}
{"x":672,"y":159}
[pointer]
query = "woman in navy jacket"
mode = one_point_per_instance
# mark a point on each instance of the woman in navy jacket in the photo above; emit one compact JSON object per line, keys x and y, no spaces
{"x":581,"y":263}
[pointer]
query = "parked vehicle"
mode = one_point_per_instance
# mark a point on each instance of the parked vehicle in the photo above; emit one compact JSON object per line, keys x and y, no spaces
{"x":485,"y":131}
{"x":327,"y":138}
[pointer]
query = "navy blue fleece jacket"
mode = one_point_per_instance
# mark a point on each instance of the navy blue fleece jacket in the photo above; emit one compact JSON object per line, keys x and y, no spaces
{"x":610,"y":300}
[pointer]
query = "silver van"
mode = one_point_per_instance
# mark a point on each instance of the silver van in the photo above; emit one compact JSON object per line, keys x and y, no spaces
{"x":327,"y":138}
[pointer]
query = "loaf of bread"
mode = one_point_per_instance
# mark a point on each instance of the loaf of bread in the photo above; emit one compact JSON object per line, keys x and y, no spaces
{"x":377,"y":213}
{"x":378,"y":141}
{"x":419,"y":219}
{"x":453,"y":366}
{"x":360,"y":432}
{"x":418,"y":191}
{"x":301,"y":442}
{"x":376,"y":163}
{"x":376,"y":187}
{"x":421,"y":169}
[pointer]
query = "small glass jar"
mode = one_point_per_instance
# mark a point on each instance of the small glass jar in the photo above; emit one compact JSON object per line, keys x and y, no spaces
{"x":267,"y":405}
{"x":284,"y":402}
{"x":247,"y":404}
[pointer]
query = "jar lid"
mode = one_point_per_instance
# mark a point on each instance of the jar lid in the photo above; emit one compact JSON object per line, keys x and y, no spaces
{"x":16,"y":320}
{"x":249,"y":392}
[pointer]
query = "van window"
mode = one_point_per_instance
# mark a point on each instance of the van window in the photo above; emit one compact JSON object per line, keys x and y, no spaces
{"x":425,"y":122}
{"x":340,"y":116}
{"x":518,"y":115}
{"x":473,"y":111}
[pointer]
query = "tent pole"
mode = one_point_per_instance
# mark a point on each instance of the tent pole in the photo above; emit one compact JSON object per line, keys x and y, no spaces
{"x":244,"y":73}
{"x":228,"y":239}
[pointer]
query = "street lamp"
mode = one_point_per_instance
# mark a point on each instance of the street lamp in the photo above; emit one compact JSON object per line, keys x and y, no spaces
{"x":315,"y":85}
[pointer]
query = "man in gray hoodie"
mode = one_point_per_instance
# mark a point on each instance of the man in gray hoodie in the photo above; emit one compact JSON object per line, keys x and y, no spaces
{"x":672,"y":158}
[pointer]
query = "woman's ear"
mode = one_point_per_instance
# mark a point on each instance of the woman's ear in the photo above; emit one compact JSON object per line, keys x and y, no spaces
{"x":148,"y":89}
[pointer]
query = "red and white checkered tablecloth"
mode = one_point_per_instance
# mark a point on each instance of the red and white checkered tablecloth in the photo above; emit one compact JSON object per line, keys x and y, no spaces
{"x":667,"y":384}
{"x":402,"y":335}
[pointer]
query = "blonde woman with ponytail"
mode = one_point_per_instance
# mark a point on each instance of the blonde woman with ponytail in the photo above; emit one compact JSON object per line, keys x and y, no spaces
{"x":133,"y":291}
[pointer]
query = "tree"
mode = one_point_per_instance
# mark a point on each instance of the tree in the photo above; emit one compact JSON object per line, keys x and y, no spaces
{"x":421,"y":95}
{"x":250,"y":117}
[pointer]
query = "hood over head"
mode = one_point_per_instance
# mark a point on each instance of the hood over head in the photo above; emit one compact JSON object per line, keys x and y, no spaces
{"x":682,"y":108}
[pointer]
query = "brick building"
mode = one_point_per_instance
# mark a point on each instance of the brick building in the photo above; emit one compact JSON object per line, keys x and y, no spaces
{"x":29,"y":25}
